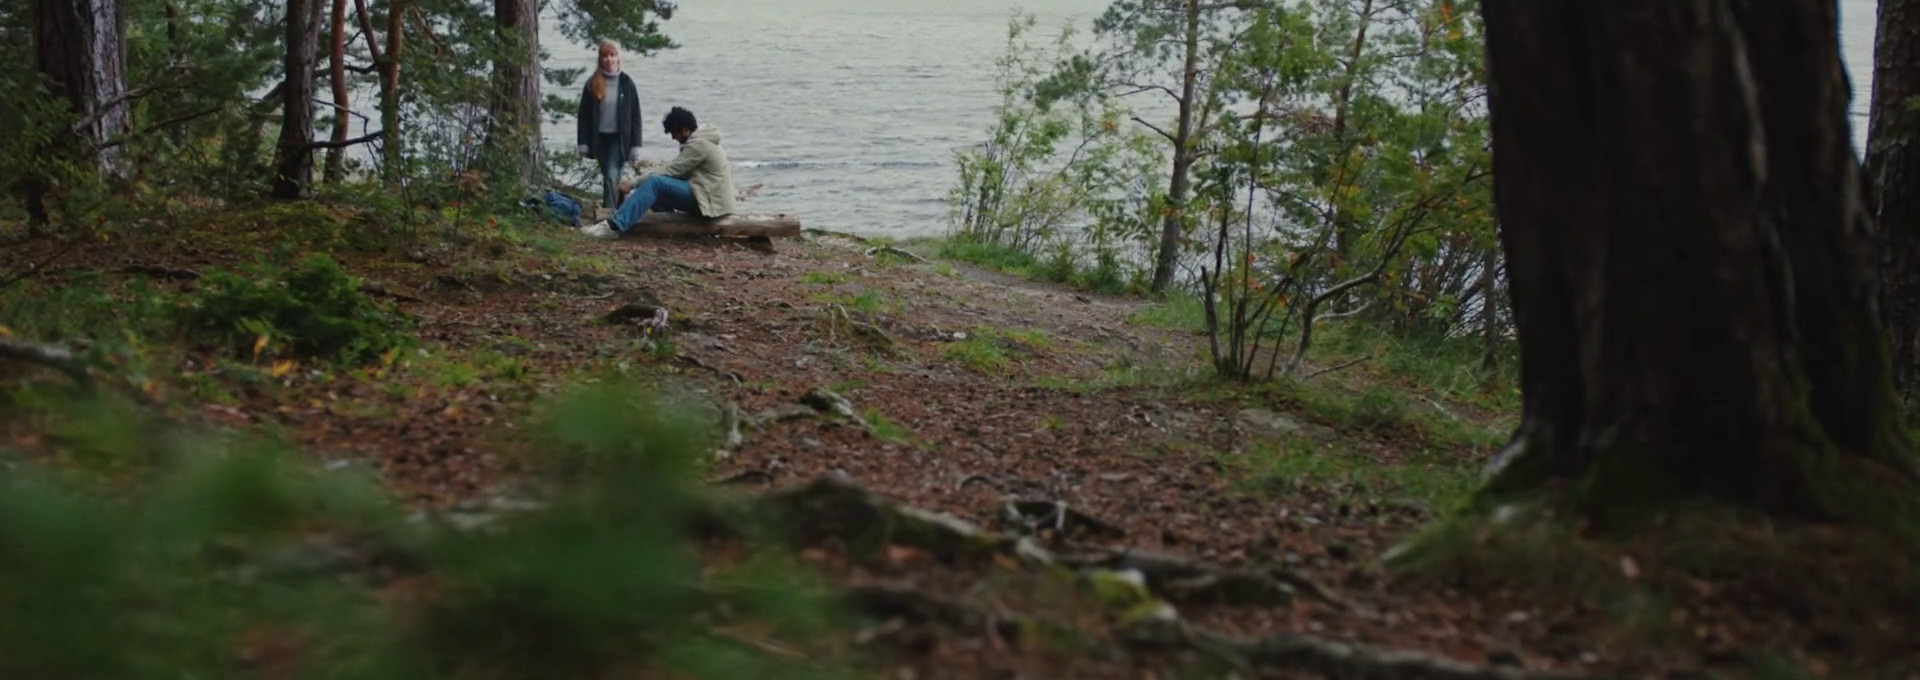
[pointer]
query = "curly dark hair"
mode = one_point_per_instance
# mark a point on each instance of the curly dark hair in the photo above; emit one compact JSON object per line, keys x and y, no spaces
{"x":680,"y":119}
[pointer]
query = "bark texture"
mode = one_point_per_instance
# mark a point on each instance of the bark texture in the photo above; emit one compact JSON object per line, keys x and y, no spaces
{"x":516,"y":105}
{"x":1173,"y":226}
{"x":81,"y":46}
{"x":294,"y":156}
{"x":337,"y":74}
{"x":1893,"y":171}
{"x":1687,"y":256}
{"x":392,"y":149}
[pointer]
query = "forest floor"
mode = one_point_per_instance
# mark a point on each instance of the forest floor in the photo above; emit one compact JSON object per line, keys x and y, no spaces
{"x":1088,"y":424}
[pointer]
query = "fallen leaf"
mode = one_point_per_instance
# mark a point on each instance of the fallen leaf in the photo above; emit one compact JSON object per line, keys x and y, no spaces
{"x":1628,"y":568}
{"x":905,"y":554}
{"x":283,"y":366}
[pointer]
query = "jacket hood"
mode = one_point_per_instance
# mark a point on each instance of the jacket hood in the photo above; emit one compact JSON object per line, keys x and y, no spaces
{"x":710,"y":133}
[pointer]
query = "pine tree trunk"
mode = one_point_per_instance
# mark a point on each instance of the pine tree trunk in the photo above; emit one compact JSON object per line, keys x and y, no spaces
{"x":337,"y":73}
{"x":294,"y":156}
{"x":1893,"y":171}
{"x":1173,"y":225}
{"x":1687,"y":255}
{"x":80,"y":46}
{"x":392,"y":146}
{"x":516,"y":105}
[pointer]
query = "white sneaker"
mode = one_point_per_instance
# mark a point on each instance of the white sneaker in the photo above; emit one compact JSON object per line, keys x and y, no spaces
{"x":600,"y":230}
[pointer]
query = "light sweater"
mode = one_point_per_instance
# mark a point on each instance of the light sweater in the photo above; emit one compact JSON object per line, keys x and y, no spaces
{"x":610,"y":106}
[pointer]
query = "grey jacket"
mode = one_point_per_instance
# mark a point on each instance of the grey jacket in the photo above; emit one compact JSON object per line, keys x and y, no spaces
{"x":703,"y":164}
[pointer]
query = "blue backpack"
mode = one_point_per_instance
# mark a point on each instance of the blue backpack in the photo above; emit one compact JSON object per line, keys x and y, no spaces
{"x":562,"y":206}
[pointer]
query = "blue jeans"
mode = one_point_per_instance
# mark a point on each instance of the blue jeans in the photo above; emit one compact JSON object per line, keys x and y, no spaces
{"x":613,"y":159}
{"x":657,"y":192}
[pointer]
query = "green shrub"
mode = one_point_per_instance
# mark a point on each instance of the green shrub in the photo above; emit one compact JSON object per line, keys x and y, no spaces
{"x":240,"y":561}
{"x":315,"y":311}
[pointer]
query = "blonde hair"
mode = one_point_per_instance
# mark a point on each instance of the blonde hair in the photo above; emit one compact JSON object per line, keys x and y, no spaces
{"x":599,"y":82}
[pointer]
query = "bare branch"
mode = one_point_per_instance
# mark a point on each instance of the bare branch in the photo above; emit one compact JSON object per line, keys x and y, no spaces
{"x":1155,"y":128}
{"x":376,"y":134}
{"x":1137,"y":89}
{"x":1357,"y":311}
{"x":1339,"y":366}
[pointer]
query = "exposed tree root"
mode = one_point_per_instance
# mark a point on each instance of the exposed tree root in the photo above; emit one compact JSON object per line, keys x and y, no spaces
{"x":839,"y":322}
{"x":836,"y":507}
{"x":833,"y":507}
{"x":1332,"y":658}
{"x":922,"y":609}
{"x":1283,"y":652}
{"x":827,"y":401}
{"x":650,"y":316}
{"x":1036,"y":515}
{"x":877,"y":251}
{"x":51,"y":356}
{"x":1185,"y":582}
{"x":780,"y":414}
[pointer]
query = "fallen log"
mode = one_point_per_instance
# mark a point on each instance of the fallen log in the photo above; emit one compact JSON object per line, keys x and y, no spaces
{"x":774,"y":225}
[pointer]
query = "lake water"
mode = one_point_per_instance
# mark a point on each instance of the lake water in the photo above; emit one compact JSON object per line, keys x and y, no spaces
{"x":848,"y":112}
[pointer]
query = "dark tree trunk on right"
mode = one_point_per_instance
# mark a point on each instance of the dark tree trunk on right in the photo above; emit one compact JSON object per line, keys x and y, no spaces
{"x":293,"y":167}
{"x":1687,"y":254}
{"x":1893,"y":173}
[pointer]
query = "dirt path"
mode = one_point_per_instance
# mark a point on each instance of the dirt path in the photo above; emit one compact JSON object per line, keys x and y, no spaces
{"x":974,"y":389}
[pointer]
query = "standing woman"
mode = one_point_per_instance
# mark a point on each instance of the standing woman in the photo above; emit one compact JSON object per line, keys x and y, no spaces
{"x":610,"y":121}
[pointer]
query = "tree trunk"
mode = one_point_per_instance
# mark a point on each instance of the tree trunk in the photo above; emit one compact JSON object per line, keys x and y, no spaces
{"x":293,"y":171}
{"x":1343,"y":228}
{"x":392,"y":147}
{"x":1893,"y":171}
{"x":336,"y":155}
{"x":516,"y":105}
{"x":80,"y":46}
{"x":1489,"y":311}
{"x":1687,"y":255}
{"x":1173,"y":225}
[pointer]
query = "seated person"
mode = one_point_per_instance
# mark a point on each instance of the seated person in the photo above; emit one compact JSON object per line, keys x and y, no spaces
{"x":699,"y":181}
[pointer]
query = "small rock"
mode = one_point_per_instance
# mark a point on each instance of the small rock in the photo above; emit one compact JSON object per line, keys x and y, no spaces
{"x":462,"y":521}
{"x":1589,"y":658}
{"x":1519,"y":617}
{"x":1268,"y":421}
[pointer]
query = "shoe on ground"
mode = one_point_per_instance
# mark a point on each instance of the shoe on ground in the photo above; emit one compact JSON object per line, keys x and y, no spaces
{"x":600,"y":230}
